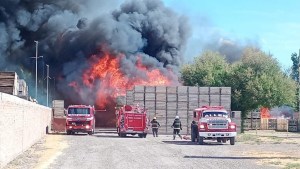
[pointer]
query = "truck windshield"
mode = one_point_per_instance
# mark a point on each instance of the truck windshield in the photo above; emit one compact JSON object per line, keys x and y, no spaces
{"x":215,"y":114}
{"x":79,"y":111}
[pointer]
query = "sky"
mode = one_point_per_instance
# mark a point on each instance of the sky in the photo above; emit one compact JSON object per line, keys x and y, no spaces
{"x":272,"y":25}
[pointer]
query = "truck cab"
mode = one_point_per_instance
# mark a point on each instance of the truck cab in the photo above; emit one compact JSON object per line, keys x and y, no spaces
{"x":212,"y":123}
{"x":80,"y":118}
{"x":132,"y":120}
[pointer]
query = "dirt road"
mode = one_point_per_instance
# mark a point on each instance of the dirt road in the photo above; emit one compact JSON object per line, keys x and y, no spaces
{"x":106,"y":150}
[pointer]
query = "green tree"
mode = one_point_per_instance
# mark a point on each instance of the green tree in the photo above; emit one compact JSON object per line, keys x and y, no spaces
{"x":209,"y":69}
{"x":256,"y":80}
{"x":295,"y":67}
{"x":295,"y":75}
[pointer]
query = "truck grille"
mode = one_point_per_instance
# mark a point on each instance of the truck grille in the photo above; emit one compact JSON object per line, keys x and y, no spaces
{"x":217,"y":124}
{"x":78,"y":123}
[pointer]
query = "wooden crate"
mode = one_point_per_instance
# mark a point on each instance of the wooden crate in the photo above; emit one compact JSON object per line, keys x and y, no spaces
{"x":193,"y":98}
{"x":193,"y":90}
{"x":150,"y":104}
{"x":214,"y":91}
{"x":182,"y":97}
{"x":192,"y":105}
{"x":225,"y":90}
{"x":149,"y":89}
{"x":171,"y":113}
{"x":9,"y":83}
{"x":162,"y":113}
{"x":204,"y":90}
{"x":182,"y":90}
{"x":171,"y":105}
{"x":139,"y":89}
{"x":171,"y":97}
{"x":161,"y":97}
{"x":138,"y":96}
{"x":149,"y":96}
{"x":215,"y":99}
{"x":161,"y":89}
{"x":171,"y":90}
{"x":160,"y":105}
{"x":182,"y":105}
{"x":225,"y":98}
{"x":182,"y":113}
{"x":204,"y":98}
{"x":282,"y":125}
{"x":293,"y":128}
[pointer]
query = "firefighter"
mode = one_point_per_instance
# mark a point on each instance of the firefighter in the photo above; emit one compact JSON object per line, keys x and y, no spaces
{"x":155,"y":124}
{"x":176,"y":127}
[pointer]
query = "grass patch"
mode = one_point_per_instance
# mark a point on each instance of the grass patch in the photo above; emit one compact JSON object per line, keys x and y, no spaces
{"x":275,"y":162}
{"x":247,"y":138}
{"x":292,"y":166}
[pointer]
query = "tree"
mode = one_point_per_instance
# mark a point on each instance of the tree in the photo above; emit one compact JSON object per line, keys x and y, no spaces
{"x":256,"y":80}
{"x":295,"y":75}
{"x":295,"y":67}
{"x":209,"y":69}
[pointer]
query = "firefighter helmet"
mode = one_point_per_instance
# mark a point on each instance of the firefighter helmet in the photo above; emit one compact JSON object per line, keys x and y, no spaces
{"x":154,"y":118}
{"x":176,"y":117}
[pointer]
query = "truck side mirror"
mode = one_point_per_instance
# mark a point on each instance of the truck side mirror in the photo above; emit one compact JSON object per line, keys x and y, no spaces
{"x":232,"y":114}
{"x":194,"y":113}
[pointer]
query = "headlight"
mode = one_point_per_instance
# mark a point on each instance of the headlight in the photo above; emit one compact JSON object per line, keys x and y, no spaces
{"x":87,"y":126}
{"x":232,"y":126}
{"x":89,"y":118}
{"x":202,"y":126}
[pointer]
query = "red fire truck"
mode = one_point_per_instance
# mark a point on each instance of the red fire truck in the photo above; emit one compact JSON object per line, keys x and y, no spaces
{"x":132,"y":120}
{"x":212,"y":123}
{"x":80,"y":118}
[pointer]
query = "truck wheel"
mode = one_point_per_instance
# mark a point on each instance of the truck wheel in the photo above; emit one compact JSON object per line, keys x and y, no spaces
{"x":118,"y":131}
{"x":224,"y":140}
{"x":140,"y":135}
{"x":200,"y":140}
{"x":90,"y":133}
{"x":232,"y":140}
{"x":219,"y":140}
{"x":145,"y":135}
{"x":68,"y":132}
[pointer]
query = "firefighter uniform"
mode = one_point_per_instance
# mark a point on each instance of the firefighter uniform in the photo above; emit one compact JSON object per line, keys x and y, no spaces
{"x":176,"y":127}
{"x":155,"y":124}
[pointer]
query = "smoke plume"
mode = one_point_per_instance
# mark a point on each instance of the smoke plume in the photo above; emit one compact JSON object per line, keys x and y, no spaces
{"x":71,"y":34}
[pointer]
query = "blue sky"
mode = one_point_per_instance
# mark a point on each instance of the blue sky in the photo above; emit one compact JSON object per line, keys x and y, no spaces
{"x":273,"y":25}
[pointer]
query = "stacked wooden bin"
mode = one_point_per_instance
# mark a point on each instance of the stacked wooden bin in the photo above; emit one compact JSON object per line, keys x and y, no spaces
{"x":166,"y":102}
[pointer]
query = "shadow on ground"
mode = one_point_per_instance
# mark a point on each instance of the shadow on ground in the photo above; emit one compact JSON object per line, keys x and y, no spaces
{"x":239,"y":158}
{"x":184,"y":142}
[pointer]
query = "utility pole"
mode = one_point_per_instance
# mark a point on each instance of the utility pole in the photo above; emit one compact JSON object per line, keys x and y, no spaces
{"x":36,"y":57}
{"x":48,"y":84}
{"x":298,"y":82}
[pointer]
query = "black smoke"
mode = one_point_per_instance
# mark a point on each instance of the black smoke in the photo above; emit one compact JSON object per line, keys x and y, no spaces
{"x":70,"y":32}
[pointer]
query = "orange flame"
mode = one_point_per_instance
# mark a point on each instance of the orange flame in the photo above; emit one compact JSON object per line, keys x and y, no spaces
{"x":107,"y":79}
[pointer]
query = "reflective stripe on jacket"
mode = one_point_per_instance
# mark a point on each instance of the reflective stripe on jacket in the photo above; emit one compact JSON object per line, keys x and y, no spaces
{"x":155,"y":124}
{"x":177,"y":124}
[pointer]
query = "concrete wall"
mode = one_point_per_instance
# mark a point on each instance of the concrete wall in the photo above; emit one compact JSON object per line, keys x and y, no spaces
{"x":22,"y":123}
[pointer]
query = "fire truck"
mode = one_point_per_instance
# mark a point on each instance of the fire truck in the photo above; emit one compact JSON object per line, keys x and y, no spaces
{"x":132,"y":120}
{"x":212,"y":123}
{"x":80,"y":118}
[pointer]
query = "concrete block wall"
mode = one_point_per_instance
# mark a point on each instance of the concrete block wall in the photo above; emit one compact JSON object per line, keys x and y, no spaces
{"x":22,"y":123}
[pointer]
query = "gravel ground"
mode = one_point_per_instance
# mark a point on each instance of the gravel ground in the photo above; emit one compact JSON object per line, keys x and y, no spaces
{"x":106,"y":150}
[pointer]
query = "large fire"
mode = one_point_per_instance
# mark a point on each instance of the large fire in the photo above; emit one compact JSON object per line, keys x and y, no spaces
{"x":109,"y":81}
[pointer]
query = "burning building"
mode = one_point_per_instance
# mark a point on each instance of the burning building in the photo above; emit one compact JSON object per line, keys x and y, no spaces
{"x":94,"y":56}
